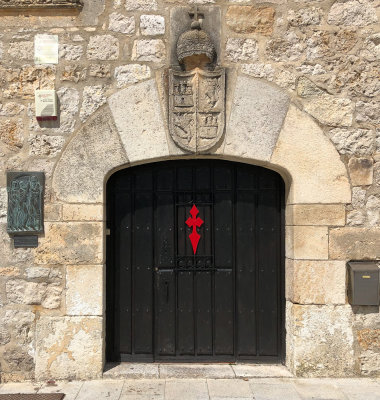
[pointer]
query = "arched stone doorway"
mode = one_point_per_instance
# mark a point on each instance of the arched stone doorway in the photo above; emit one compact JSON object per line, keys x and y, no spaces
{"x":212,"y":292}
{"x":264,"y":128}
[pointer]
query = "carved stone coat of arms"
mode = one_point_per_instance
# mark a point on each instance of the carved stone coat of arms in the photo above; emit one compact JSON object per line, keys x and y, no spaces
{"x":197,"y":108}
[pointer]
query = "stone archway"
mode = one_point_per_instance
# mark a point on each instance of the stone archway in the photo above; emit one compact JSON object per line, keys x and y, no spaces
{"x":263,"y":128}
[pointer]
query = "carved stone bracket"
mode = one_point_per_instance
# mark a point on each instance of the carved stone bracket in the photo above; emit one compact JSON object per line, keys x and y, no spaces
{"x":40,"y":4}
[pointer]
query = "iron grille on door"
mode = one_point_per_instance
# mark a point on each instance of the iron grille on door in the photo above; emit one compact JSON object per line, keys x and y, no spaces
{"x":220,"y":301}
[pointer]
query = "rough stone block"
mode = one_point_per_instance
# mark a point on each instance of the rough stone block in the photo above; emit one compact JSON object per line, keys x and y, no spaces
{"x":103,"y":47}
{"x":11,"y":134}
{"x":259,"y":70}
{"x":70,"y":52}
{"x":151,"y":25}
{"x":22,"y":82}
{"x":71,"y":243}
{"x":85,"y":155}
{"x":319,"y":282}
{"x":93,"y":98}
{"x":149,"y":50}
{"x":138,"y":117}
{"x":352,"y":12}
{"x":82,"y":212}
{"x":141,"y":5}
{"x":248,"y":19}
{"x":318,"y":175}
{"x":131,"y":73}
{"x":21,"y":50}
{"x":84,"y":290}
{"x":289,"y":47}
{"x":305,"y":16}
{"x":45,"y":145}
{"x":373,"y":210}
{"x":351,"y":243}
{"x":353,"y":141}
{"x":361,"y":171}
{"x":316,"y":214}
{"x":240,"y":49}
{"x":121,"y":23}
{"x":323,"y":106}
{"x":69,"y":348}
{"x":309,"y":243}
{"x":255,"y":121}
{"x":322,"y":340}
{"x":368,"y":111}
{"x":23,"y":292}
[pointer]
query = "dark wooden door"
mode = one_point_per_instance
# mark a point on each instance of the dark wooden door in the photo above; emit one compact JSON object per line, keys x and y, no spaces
{"x":194,"y":262}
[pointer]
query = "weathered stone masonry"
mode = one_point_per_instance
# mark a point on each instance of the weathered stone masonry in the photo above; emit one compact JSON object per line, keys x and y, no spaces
{"x":302,"y":99}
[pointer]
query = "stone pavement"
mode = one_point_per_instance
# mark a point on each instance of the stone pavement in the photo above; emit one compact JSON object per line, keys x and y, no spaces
{"x":199,"y":382}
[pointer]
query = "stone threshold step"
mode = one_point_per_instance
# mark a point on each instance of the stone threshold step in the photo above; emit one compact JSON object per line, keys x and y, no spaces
{"x":127,"y":370}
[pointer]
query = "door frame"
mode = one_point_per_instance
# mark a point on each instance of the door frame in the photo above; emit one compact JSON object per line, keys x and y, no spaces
{"x":110,"y":304}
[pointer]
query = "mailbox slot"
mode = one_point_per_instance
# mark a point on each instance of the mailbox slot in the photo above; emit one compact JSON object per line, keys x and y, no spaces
{"x":363,"y":283}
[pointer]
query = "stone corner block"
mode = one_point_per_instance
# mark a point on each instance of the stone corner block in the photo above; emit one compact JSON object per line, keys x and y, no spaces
{"x":257,"y":114}
{"x":82,"y":212}
{"x":316,"y":214}
{"x":71,"y":243}
{"x":318,"y":282}
{"x":69,"y":348}
{"x":307,"y":242}
{"x":320,"y":340}
{"x":138,"y":117}
{"x":304,"y":152}
{"x":92,"y":153}
{"x":84,"y":289}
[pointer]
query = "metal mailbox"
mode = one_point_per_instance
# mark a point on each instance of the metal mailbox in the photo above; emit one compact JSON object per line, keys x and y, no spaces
{"x":363,"y":283}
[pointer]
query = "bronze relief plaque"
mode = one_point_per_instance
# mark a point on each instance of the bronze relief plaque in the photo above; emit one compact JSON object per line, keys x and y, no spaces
{"x":25,"y":202}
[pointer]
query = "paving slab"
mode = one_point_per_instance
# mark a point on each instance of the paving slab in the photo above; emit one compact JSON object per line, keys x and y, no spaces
{"x":229,"y":389}
{"x":186,"y":389}
{"x":101,"y":389}
{"x":217,"y":371}
{"x":151,"y":388}
{"x":260,"y":371}
{"x":273,"y":389}
{"x":18,"y":388}
{"x":318,"y":389}
{"x":358,"y":389}
{"x":70,"y":389}
{"x":131,"y":371}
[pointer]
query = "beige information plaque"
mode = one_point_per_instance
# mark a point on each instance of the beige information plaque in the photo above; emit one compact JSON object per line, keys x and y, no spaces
{"x":46,"y":49}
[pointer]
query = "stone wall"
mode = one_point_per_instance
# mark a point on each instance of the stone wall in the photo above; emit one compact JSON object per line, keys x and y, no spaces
{"x":302,"y":98}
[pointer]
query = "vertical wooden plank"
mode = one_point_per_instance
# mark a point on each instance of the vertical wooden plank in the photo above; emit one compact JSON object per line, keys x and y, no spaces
{"x":245,"y":273}
{"x":268,"y":260}
{"x":142,"y":272}
{"x":224,"y":313}
{"x":223,"y":229}
{"x":123,"y":281}
{"x":185,"y":313}
{"x":204,"y":329}
{"x":165,"y":313}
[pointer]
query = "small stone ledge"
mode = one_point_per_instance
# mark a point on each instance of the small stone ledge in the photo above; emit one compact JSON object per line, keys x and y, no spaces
{"x":40,"y":4}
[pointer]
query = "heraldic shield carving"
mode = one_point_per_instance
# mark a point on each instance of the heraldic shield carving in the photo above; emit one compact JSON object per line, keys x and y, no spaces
{"x":197,"y":104}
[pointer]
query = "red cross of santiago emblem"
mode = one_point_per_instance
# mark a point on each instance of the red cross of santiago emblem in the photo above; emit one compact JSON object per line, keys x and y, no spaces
{"x":194,"y":222}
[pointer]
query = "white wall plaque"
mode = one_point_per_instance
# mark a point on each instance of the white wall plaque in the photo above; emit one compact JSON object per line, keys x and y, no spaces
{"x":46,"y":49}
{"x":46,"y":105}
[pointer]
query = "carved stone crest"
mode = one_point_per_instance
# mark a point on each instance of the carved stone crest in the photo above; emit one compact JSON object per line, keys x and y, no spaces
{"x":196,"y":92}
{"x":196,"y":102}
